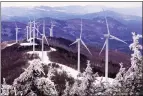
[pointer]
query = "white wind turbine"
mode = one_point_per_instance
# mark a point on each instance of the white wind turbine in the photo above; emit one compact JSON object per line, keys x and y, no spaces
{"x":34,"y":28}
{"x":16,"y":29}
{"x":108,"y":36}
{"x":51,"y":29}
{"x":27,"y":30}
{"x":78,"y":41}
{"x":43,"y":38}
{"x":37,"y":35}
{"x":30,"y":31}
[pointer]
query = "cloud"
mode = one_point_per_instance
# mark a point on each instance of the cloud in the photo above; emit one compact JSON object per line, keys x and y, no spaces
{"x":57,"y":4}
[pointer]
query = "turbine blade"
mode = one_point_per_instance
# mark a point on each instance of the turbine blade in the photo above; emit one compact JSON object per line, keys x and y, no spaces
{"x":81,"y":29}
{"x":73,"y":42}
{"x":44,"y":27}
{"x":85,"y":46}
{"x":106,"y":22}
{"x":103,"y":46}
{"x":16,"y":25}
{"x":113,"y":37}
{"x":46,"y":40}
{"x":38,"y":31}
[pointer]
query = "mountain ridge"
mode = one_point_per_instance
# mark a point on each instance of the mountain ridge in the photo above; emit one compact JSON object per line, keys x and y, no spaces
{"x":19,"y":61}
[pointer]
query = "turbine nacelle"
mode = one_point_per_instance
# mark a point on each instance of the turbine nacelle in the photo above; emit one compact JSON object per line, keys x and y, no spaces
{"x":106,"y":35}
{"x":78,"y":39}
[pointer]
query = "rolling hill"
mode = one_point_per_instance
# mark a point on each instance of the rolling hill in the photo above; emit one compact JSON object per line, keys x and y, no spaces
{"x":15,"y":57}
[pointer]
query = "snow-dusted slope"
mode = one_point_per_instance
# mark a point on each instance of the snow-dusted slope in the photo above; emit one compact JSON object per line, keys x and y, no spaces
{"x":10,"y":44}
{"x":27,"y":44}
{"x":110,"y":81}
{"x":70,"y":71}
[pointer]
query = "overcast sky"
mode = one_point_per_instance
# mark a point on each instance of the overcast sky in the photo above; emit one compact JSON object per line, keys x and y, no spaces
{"x":56,"y":4}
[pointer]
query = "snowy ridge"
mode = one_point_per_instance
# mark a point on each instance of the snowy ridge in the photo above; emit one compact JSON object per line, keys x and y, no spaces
{"x":72,"y":72}
{"x":10,"y":44}
{"x":27,"y":44}
{"x":69,"y":70}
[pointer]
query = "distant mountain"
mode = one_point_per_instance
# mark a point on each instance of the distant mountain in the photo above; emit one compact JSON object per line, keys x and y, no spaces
{"x":8,"y":30}
{"x":93,"y":29}
{"x":135,"y":11}
{"x":66,"y":12}
{"x":67,"y":21}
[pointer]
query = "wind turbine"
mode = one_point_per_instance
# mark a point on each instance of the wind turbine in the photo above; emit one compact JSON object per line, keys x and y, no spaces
{"x":78,"y":41}
{"x":43,"y":37}
{"x":108,"y":36}
{"x":51,"y":29}
{"x":34,"y":28}
{"x":37,"y":35}
{"x":30,"y":30}
{"x":16,"y":29}
{"x":27,"y":30}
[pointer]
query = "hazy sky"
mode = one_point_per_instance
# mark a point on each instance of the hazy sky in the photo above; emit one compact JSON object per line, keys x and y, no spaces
{"x":56,"y":4}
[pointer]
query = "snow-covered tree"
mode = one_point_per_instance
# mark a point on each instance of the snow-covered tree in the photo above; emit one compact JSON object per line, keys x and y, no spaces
{"x":120,"y":74}
{"x":95,"y":75}
{"x":133,"y":77}
{"x":83,"y":86}
{"x":50,"y":72}
{"x":130,"y":82}
{"x":67,"y":89}
{"x":25,"y":82}
{"x":46,"y":87}
{"x":34,"y":82}
{"x":86,"y":87}
{"x":75,"y":89}
{"x":34,"y":69}
{"x":88,"y":72}
{"x":5,"y":90}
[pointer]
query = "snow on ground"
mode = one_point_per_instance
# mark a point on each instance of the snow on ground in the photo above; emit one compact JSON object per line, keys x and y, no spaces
{"x":53,"y":49}
{"x":10,"y":44}
{"x":103,"y":79}
{"x":72,"y":72}
{"x":27,"y":44}
{"x":108,"y":83}
{"x":45,"y":59}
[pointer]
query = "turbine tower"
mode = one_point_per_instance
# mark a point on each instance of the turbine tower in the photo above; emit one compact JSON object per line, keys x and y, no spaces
{"x":78,"y":41}
{"x":30,"y":31}
{"x":37,"y":35}
{"x":108,"y":36}
{"x":51,"y":29}
{"x":43,"y":37}
{"x":16,"y":29}
{"x":34,"y":28}
{"x":27,"y":30}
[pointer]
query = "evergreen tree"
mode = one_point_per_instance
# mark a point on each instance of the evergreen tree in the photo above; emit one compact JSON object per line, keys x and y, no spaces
{"x":5,"y":90}
{"x":86,"y":85}
{"x":33,"y":83}
{"x":75,"y":89}
{"x":46,"y":87}
{"x":131,"y":81}
{"x":133,"y":77}
{"x":67,"y":89}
